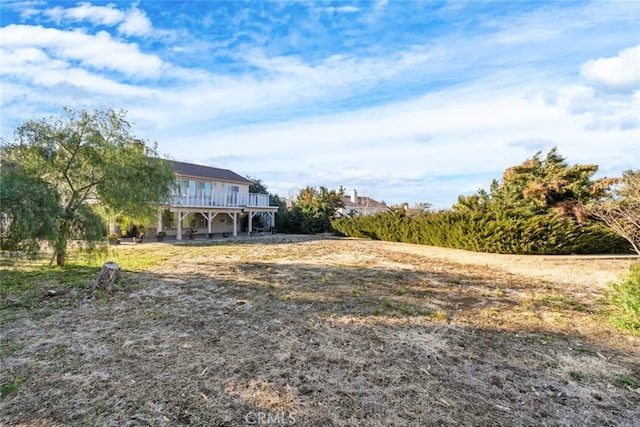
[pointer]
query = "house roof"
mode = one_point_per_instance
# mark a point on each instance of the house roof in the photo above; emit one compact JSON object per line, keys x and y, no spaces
{"x":363,"y":202}
{"x":200,"y":171}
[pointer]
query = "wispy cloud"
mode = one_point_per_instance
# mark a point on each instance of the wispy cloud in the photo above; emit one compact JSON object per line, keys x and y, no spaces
{"x":97,"y":15}
{"x":341,"y":9}
{"x":131,"y":22}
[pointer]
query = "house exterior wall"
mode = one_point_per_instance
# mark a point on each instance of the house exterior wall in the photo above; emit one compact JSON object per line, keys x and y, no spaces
{"x":197,"y":191}
{"x":221,"y":223}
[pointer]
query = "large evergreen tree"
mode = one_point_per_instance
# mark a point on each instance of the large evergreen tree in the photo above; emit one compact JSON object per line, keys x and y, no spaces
{"x":88,"y":158}
{"x":313,"y":210}
{"x":538,"y":186}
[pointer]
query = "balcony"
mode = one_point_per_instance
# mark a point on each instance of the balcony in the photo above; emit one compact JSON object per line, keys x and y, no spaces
{"x":221,"y":200}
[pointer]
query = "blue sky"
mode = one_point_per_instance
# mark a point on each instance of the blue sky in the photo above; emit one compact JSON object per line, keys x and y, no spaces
{"x":405,"y":101}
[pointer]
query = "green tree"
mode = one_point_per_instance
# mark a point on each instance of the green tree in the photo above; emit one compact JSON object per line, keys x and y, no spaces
{"x":257,"y":186}
{"x":29,"y":207}
{"x":313,"y":210}
{"x":283,"y":211}
{"x":90,"y":158}
{"x":538,"y":186}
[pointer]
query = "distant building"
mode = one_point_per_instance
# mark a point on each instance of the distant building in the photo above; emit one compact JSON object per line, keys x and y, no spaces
{"x":355,"y":205}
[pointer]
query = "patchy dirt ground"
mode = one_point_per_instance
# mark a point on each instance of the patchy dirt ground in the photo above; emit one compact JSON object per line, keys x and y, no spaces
{"x":325,"y":332}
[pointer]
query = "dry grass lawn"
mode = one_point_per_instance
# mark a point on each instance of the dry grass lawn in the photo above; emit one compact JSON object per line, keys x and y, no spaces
{"x":306,"y":331}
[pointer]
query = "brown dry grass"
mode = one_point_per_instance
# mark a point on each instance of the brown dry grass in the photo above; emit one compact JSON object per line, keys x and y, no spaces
{"x":325,"y":332}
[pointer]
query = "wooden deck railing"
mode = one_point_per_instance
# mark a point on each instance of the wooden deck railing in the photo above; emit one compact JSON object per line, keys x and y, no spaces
{"x":221,"y":200}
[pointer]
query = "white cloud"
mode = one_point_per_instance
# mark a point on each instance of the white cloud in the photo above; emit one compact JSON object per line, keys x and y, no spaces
{"x":336,"y":71}
{"x":623,"y":122}
{"x":533,"y":144}
{"x":388,"y":134}
{"x":585,"y":100}
{"x":63,"y":82}
{"x":131,"y":22}
{"x":135,"y":23}
{"x":98,"y":15}
{"x":380,"y":4}
{"x":525,"y":35}
{"x":283,"y":84}
{"x":98,"y":51}
{"x":15,"y":58}
{"x":548,"y":96}
{"x":618,"y":73}
{"x":602,"y":110}
{"x":342,"y":9}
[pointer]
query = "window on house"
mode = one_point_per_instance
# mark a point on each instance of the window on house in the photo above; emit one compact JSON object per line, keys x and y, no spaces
{"x":232,"y":194}
{"x":204,"y":187}
{"x":188,"y":187}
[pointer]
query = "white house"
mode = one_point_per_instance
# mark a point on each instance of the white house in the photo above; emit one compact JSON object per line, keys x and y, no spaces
{"x":213,"y":201}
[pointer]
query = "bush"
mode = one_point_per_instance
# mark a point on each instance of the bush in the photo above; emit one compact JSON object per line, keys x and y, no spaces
{"x":626,"y":301}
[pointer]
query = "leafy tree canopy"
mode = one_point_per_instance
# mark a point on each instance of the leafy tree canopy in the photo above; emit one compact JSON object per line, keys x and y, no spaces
{"x":30,"y":199}
{"x":90,"y":158}
{"x":257,"y":186}
{"x":538,"y":186}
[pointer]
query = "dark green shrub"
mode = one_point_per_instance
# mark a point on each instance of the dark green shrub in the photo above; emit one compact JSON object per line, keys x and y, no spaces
{"x":540,"y":234}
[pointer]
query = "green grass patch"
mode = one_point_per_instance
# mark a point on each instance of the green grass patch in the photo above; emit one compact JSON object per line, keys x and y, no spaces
{"x":26,"y":283}
{"x":137,"y":261}
{"x":576,"y":375}
{"x":391,"y":308}
{"x":10,"y":388}
{"x":625,"y":301}
{"x":627,"y":380}
{"x":561,"y":302}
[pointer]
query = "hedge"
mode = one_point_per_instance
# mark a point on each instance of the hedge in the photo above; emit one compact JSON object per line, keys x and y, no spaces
{"x":537,"y":235}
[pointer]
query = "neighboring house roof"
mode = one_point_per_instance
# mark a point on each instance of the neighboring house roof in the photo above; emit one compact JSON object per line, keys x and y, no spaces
{"x":363,"y":202}
{"x":199,"y":171}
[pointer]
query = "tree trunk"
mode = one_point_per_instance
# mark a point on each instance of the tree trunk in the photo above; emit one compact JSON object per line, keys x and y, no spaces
{"x":108,"y":276}
{"x":60,"y":259}
{"x":60,"y":246}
